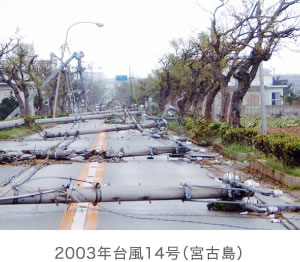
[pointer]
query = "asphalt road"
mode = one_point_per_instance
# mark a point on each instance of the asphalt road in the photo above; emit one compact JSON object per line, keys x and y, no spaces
{"x":137,"y":171}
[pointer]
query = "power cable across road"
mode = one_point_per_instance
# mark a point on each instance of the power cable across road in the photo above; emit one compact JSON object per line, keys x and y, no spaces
{"x":138,"y":216}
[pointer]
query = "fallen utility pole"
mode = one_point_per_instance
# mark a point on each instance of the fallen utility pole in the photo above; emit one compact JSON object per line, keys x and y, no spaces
{"x":95,"y":194}
{"x":98,"y":112}
{"x":71,"y":119}
{"x":94,"y":131}
{"x":150,"y":152}
{"x":157,"y":118}
{"x":138,"y":126}
{"x":243,"y":192}
{"x":11,"y":123}
{"x":67,"y":155}
{"x":99,"y":155}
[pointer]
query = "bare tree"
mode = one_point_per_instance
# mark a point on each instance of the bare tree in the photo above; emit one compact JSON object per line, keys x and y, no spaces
{"x":266,"y":27}
{"x":165,"y":81}
{"x":15,"y":70}
{"x":224,"y":44}
{"x":185,"y":77}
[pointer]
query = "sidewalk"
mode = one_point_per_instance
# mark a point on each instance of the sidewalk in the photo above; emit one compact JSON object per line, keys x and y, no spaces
{"x":293,"y":218}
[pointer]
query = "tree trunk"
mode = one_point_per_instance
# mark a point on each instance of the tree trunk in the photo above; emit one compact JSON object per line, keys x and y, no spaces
{"x":40,"y":109}
{"x":237,"y":99}
{"x":244,"y":82}
{"x":204,"y":91}
{"x":26,"y":101}
{"x":163,"y":96}
{"x":20,"y":101}
{"x":225,"y":102}
{"x":209,"y":102}
{"x":182,"y":106}
{"x":225,"y":94}
{"x":198,"y":106}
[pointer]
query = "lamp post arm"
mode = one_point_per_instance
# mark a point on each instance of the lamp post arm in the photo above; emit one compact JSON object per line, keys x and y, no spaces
{"x":66,"y":38}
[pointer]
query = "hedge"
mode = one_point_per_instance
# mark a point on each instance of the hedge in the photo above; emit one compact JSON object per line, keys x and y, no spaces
{"x":239,"y":136}
{"x":283,"y":146}
{"x":200,"y":129}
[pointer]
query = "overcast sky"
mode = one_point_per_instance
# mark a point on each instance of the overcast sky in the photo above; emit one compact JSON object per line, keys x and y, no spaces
{"x":136,"y":33}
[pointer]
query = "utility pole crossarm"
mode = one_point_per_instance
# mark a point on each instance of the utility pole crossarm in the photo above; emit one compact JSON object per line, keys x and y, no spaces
{"x":63,"y":64}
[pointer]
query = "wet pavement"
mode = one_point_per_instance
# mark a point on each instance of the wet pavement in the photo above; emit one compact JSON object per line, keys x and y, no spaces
{"x":133,"y":171}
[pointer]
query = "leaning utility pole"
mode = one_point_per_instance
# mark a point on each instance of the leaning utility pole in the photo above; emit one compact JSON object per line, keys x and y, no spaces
{"x":83,"y":87}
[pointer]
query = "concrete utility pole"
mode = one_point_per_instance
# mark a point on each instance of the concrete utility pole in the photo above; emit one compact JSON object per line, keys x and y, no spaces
{"x":69,"y":119}
{"x":131,"y":91}
{"x":97,"y":193}
{"x":262,"y":100}
{"x":83,"y":87}
{"x":95,"y":131}
{"x":99,"y":112}
{"x":11,"y":123}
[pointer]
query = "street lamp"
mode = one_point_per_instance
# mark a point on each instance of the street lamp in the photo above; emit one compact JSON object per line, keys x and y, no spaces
{"x":62,"y":58}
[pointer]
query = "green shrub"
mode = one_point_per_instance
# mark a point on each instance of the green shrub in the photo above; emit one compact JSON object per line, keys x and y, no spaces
{"x":291,"y":156}
{"x":283,"y":146}
{"x":223,"y":128}
{"x":7,"y":105}
{"x":219,"y":127}
{"x":188,"y":122}
{"x":174,"y":126}
{"x":243,"y":136}
{"x":262,"y":143}
{"x":215,"y":125}
{"x":199,"y":129}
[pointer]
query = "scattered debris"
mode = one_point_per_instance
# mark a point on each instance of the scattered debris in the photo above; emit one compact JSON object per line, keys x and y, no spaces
{"x":77,"y":158}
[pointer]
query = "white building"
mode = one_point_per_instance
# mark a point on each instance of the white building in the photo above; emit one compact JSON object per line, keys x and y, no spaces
{"x":292,"y":80}
{"x":273,"y":94}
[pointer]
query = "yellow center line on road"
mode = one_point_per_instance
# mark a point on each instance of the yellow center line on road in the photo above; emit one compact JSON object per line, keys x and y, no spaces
{"x":93,"y":212}
{"x":85,"y":216}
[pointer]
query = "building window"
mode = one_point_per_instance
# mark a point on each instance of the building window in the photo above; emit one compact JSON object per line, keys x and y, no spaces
{"x":276,"y":98}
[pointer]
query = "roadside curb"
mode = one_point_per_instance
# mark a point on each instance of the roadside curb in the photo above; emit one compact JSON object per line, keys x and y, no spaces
{"x":285,"y":179}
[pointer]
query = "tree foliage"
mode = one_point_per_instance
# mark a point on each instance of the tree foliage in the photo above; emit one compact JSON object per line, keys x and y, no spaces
{"x":7,"y":105}
{"x":242,"y":35}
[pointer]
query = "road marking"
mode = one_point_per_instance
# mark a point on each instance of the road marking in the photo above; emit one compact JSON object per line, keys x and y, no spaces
{"x":93,"y":211}
{"x":85,"y":215}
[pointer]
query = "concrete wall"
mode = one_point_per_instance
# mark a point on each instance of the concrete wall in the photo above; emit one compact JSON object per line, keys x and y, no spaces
{"x":284,"y":110}
{"x":251,"y":102}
